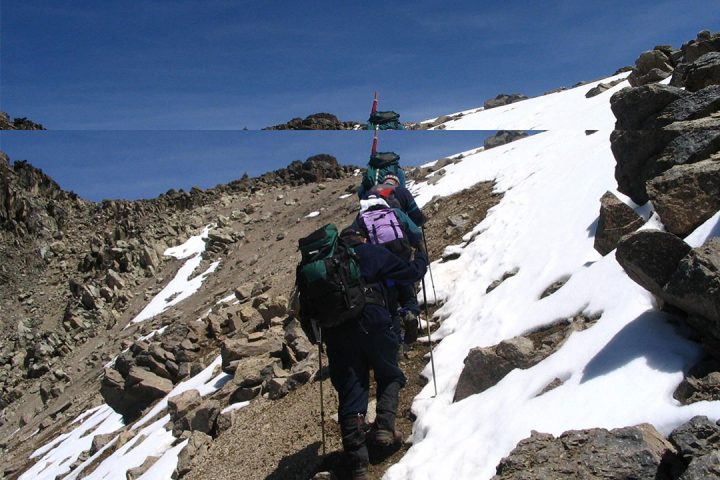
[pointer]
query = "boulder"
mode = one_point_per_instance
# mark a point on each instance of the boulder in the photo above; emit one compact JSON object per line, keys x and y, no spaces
{"x":633,"y":107}
{"x":616,"y":220}
{"x":688,"y":107}
{"x":297,"y":341}
{"x":198,"y":443}
{"x":695,"y":286}
{"x":503,"y":99}
{"x":698,"y":444}
{"x":503,"y":137}
{"x":635,"y":152}
{"x":238,"y":349}
{"x":250,"y":319}
{"x":705,"y":42}
{"x":276,"y":306}
{"x":200,"y":419}
{"x":702,"y":72}
{"x":180,"y":405}
{"x":602,"y":87}
{"x":686,"y":195}
{"x":650,"y":257}
{"x":137,"y":472}
{"x":485,"y":367}
{"x":701,"y":383}
{"x":630,"y":452}
{"x":147,"y":384}
{"x":253,"y":371}
{"x":651,"y":66}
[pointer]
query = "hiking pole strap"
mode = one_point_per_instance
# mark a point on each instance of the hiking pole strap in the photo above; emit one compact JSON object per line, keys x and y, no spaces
{"x":427,"y":322}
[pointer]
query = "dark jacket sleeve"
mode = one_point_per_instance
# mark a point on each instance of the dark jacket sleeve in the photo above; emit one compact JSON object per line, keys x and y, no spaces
{"x":409,"y":206}
{"x":378,"y":264}
{"x":414,"y":233}
{"x":306,"y":321}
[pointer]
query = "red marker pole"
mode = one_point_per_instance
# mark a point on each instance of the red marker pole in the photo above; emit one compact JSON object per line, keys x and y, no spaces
{"x":375,"y":104}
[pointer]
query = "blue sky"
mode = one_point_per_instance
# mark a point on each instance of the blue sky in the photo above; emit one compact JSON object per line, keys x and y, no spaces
{"x":135,"y":164}
{"x":217,"y":64}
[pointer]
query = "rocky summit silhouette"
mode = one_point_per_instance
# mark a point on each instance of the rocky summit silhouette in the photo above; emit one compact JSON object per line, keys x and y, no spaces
{"x":76,"y":278}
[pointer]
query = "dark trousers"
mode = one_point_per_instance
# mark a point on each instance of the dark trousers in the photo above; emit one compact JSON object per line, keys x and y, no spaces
{"x":352,"y":351}
{"x":407,"y":297}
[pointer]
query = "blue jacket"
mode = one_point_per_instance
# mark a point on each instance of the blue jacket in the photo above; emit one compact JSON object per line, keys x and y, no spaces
{"x":377,"y":266}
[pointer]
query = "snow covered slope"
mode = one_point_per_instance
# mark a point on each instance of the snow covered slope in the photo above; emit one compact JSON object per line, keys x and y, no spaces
{"x":568,"y":109}
{"x":620,"y":372}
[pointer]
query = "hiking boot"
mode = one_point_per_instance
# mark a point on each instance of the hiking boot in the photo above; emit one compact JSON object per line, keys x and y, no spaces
{"x":411,"y":327}
{"x":359,"y":473}
{"x":385,"y":438}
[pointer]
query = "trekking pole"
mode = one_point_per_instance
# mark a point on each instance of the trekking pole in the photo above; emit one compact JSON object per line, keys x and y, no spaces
{"x":322,"y":402}
{"x":375,"y":104}
{"x":375,"y":142}
{"x":427,"y":322}
{"x":432,"y":282}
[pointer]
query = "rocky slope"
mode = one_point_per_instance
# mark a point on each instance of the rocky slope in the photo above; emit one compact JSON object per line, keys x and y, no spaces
{"x":75,"y":273}
{"x":18,"y":123}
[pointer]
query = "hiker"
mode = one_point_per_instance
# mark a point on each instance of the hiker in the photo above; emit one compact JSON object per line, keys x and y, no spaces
{"x":397,"y":196}
{"x":380,"y":165}
{"x":361,"y":343}
{"x":375,"y":215}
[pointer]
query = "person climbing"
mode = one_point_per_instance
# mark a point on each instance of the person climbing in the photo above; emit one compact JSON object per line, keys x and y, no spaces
{"x":397,"y":196}
{"x":380,"y":165}
{"x":400,"y":198}
{"x":363,"y":342}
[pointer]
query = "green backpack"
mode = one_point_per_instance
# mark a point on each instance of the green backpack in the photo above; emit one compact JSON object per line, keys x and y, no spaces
{"x":329,"y":280}
{"x":381,"y":164}
{"x":384,"y":121}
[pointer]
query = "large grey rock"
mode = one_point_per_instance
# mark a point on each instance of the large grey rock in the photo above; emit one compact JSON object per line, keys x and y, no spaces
{"x":275,"y":306}
{"x":200,"y":419}
{"x":705,"y":42}
{"x":691,"y":106}
{"x":688,"y":147}
{"x":686,"y":195}
{"x":650,"y":257}
{"x":623,"y":453}
{"x":241,"y":348}
{"x":147,"y":383}
{"x":180,"y":405}
{"x":695,"y":286}
{"x":137,"y":472}
{"x":485,"y":367}
{"x":198,"y":443}
{"x":503,"y":137}
{"x":635,"y":152}
{"x":616,"y":220}
{"x":295,"y":338}
{"x":651,"y":66}
{"x":703,"y":72}
{"x":695,"y":438}
{"x":253,"y":371}
{"x":503,"y":99}
{"x":703,"y":468}
{"x":698,"y":443}
{"x":701,"y":383}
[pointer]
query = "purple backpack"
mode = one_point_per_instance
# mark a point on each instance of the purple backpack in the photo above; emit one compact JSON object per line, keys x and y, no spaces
{"x":385,"y":229}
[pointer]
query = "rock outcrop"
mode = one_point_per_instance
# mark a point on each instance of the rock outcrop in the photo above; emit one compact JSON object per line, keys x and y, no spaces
{"x":616,"y":219}
{"x":504,"y":99}
{"x":18,"y":123}
{"x":485,"y":367}
{"x":503,"y":137}
{"x":317,"y":121}
{"x":630,"y":452}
